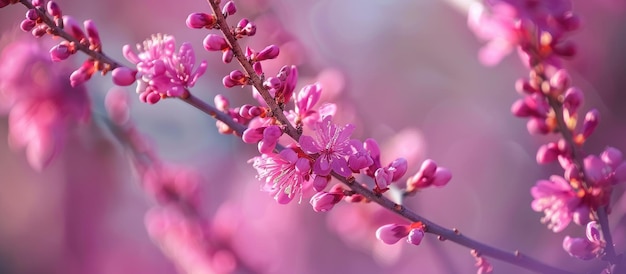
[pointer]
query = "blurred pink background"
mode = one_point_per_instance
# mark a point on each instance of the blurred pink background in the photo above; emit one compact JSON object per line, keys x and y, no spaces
{"x":394,"y":67}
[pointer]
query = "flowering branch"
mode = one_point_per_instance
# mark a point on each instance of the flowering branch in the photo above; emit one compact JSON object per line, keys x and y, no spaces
{"x":577,"y":160}
{"x":80,"y":45}
{"x":277,"y":111}
{"x":311,"y":151}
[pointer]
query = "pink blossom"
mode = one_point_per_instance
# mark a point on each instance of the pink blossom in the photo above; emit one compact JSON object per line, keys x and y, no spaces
{"x":284,"y":174}
{"x":503,"y":24}
{"x":332,"y":143}
{"x":42,"y":105}
{"x":558,"y":200}
{"x":163,"y":71}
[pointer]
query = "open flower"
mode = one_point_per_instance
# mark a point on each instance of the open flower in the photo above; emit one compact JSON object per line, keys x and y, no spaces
{"x":332,"y":143}
{"x":161,"y":71}
{"x":284,"y":174}
{"x":558,"y":200}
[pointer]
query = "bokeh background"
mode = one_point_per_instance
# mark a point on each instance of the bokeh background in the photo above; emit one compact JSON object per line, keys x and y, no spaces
{"x":405,"y":72}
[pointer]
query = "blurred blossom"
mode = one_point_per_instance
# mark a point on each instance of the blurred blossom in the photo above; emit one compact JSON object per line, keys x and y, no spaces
{"x":42,"y":105}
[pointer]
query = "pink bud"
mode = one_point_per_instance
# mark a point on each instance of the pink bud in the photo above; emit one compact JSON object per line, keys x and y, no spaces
{"x":72,"y":27}
{"x":272,"y":133}
{"x":255,"y":111}
{"x":32,"y":14}
{"x":53,"y":9}
{"x":573,"y":99}
{"x":249,"y":29}
{"x":591,"y":122}
{"x":308,"y":97}
{"x":200,"y":20}
{"x":152,"y":98}
{"x":324,"y":201}
{"x":27,"y":25}
{"x":400,"y":166}
{"x":252,"y":135}
{"x":522,"y":86}
{"x":428,"y":168}
{"x":537,"y":126}
{"x":273,"y":83}
{"x":243,"y":111}
{"x":560,"y":80}
{"x":570,"y":21}
{"x":547,"y":153}
{"x":581,"y":215}
{"x":595,"y":169}
{"x":229,"y":82}
{"x":520,"y":109}
{"x":60,"y":52}
{"x":221,"y":102}
{"x":39,"y":30}
{"x":92,"y":33}
{"x":227,"y":56}
{"x":612,"y":157}
{"x":79,"y":77}
{"x":123,"y":76}
{"x":289,"y":76}
{"x":229,"y":8}
{"x":214,"y":42}
{"x":242,"y":23}
{"x":415,"y":236}
{"x":266,"y":147}
{"x":269,"y":52}
{"x":566,"y":49}
{"x":382,"y":178}
{"x":258,"y":68}
{"x":442,"y":177}
{"x":392,"y":233}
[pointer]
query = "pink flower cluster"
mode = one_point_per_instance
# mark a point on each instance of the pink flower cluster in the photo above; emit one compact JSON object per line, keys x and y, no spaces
{"x":160,"y":70}
{"x":290,"y":166}
{"x":551,"y":104}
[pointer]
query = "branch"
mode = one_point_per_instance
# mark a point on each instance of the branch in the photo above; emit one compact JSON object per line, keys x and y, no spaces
{"x":254,"y":78}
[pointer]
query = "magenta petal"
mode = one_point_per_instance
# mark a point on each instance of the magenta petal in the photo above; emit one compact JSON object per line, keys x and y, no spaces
{"x":341,"y":167}
{"x":322,"y":166}
{"x":308,"y":145}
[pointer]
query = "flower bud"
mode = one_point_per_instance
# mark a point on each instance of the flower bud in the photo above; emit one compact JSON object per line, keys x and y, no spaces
{"x":415,"y":236}
{"x":123,"y":76}
{"x":392,"y":233}
{"x":324,"y":201}
{"x":229,"y":8}
{"x":214,"y":42}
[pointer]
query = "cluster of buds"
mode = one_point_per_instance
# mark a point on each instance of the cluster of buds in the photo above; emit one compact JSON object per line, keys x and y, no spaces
{"x":392,"y":233}
{"x":39,"y":22}
{"x":34,"y":22}
{"x":429,"y":174}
